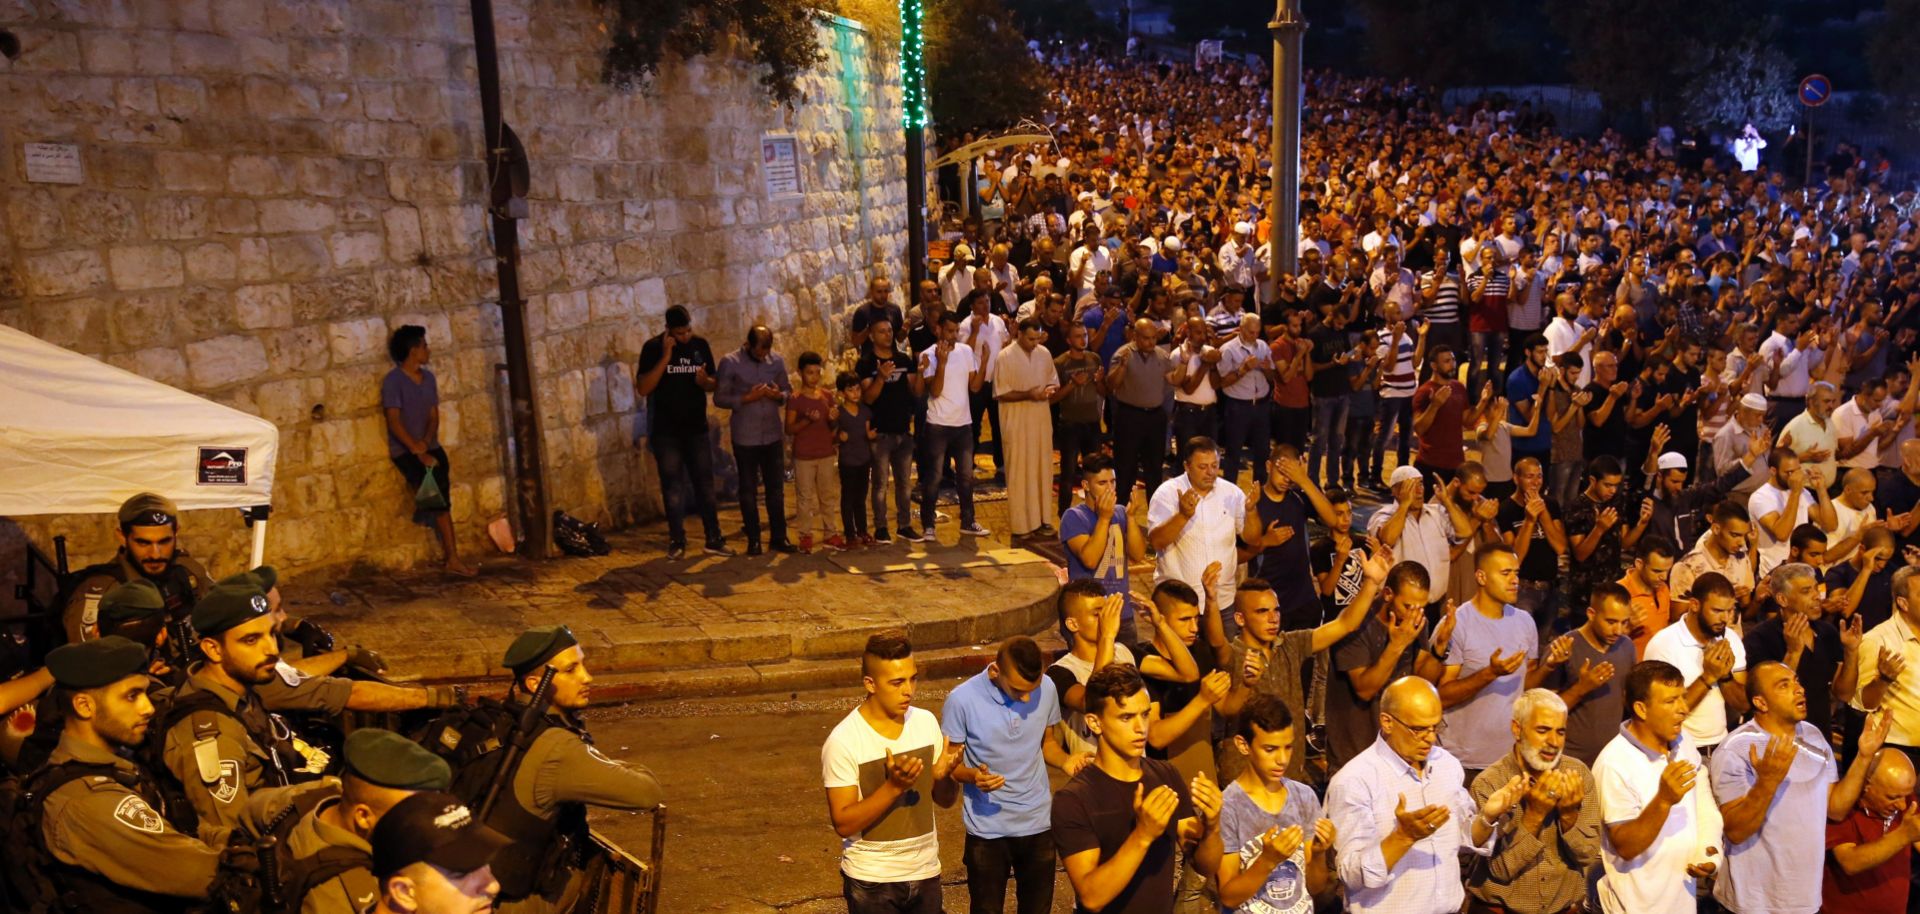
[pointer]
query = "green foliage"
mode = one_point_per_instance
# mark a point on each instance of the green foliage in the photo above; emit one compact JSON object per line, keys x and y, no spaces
{"x":1893,"y":53}
{"x":779,"y":33}
{"x":1745,"y":81}
{"x":979,"y":72}
{"x":1638,"y":54}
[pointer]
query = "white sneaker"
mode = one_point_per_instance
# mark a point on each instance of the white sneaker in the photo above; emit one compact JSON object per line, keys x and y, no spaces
{"x":974,"y":529}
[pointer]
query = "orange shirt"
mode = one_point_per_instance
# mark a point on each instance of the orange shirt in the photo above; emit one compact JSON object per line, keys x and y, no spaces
{"x":1652,"y":611}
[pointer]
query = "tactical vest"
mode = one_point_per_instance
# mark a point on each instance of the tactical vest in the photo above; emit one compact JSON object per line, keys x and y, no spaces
{"x":39,"y":883}
{"x":276,"y":772}
{"x":297,"y":877}
{"x":545,"y":852}
{"x":178,"y":586}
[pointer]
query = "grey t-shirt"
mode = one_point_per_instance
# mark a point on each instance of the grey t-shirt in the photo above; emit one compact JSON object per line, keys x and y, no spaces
{"x":1352,"y":723}
{"x":1145,"y":384}
{"x":1242,"y":822}
{"x":1479,"y":732}
{"x":415,"y":403}
{"x":856,"y":451}
{"x":1595,"y":721}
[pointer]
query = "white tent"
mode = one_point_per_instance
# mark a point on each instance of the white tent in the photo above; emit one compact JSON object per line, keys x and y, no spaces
{"x":79,"y":436}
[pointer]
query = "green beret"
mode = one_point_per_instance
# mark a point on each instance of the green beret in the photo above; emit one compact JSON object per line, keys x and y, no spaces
{"x":537,"y":646}
{"x":96,"y":663}
{"x":136,"y":599}
{"x":388,"y":759}
{"x":262,"y":578}
{"x":148,"y":510}
{"x":226,"y":606}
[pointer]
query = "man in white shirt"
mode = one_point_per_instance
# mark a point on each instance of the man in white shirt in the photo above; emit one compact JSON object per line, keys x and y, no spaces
{"x":1565,"y":334}
{"x":1087,"y":261}
{"x":1420,"y":531}
{"x":1246,"y":378}
{"x":1236,"y":257}
{"x":955,"y":373}
{"x":1194,"y":395}
{"x":1791,"y":356}
{"x":1860,"y":428}
{"x":1812,"y":435}
{"x":956,"y":278}
{"x":1194,"y":521}
{"x":1733,"y":443}
{"x":1788,"y":500}
{"x":1746,"y":148}
{"x":1662,"y":829}
{"x":882,"y":764}
{"x":1006,"y":277}
{"x":1714,"y":665}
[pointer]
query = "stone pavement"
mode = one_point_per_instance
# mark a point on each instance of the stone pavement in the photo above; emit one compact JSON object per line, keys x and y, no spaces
{"x":701,"y":626}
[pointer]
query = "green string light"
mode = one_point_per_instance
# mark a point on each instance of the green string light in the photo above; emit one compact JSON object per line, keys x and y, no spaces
{"x":913,"y":68}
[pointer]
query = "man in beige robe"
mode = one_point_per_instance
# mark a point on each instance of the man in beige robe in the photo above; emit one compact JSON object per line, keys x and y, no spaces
{"x":1025,"y":383}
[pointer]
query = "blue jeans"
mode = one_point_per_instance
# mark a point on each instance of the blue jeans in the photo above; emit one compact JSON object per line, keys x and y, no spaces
{"x":1329,"y":438}
{"x":1394,"y":411}
{"x":945,"y":441}
{"x":1488,"y":348}
{"x":892,"y":463}
{"x":762,"y":468}
{"x":1243,"y":427}
{"x":683,"y":461}
{"x":918,"y":897}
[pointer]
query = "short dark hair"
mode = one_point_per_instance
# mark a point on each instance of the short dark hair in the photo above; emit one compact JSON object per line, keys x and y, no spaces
{"x":1200,"y":443}
{"x":809,"y":358}
{"x":1729,"y":511}
{"x":1652,"y":546}
{"x":1492,"y":549}
{"x":1094,"y":464}
{"x":1175,"y":589}
{"x":402,"y":342}
{"x":1087,"y":588}
{"x":1408,"y":572}
{"x":1713,"y":582}
{"x":845,"y":379}
{"x":1031,"y":322}
{"x":1641,"y":679}
{"x":1806,"y":535}
{"x":950,"y":317}
{"x":1251,"y":584}
{"x":678,"y":317}
{"x":1266,"y":711}
{"x":1609,"y":591}
{"x":1115,"y":682}
{"x":1337,"y":495}
{"x":1604,"y":465}
{"x":1023,"y":655}
{"x":887,"y":645}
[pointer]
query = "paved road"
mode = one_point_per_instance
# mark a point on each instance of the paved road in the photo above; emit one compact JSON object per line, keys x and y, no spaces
{"x":748,"y":828}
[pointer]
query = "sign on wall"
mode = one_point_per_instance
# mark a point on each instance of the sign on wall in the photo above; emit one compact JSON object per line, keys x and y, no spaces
{"x":780,"y":164}
{"x":53,"y":163}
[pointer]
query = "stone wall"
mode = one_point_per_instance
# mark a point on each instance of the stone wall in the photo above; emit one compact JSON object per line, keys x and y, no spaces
{"x":272,"y":185}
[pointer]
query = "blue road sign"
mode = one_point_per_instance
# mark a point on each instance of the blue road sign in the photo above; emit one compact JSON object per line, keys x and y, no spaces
{"x":1815,"y":90}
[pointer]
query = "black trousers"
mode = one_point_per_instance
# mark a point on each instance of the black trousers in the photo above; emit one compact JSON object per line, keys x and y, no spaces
{"x":1074,"y":440}
{"x":761,"y":466}
{"x":853,"y":498}
{"x":1029,"y":859}
{"x":1139,"y":442}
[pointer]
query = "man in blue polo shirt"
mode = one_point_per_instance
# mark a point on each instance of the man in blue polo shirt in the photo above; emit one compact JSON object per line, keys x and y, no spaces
{"x":1008,"y":719}
{"x":1101,"y":538}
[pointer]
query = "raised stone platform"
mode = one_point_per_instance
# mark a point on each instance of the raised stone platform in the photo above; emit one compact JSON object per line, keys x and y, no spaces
{"x":701,"y":626}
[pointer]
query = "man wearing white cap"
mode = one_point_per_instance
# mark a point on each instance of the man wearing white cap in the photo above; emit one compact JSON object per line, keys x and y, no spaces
{"x":1236,"y":257}
{"x":956,"y":278}
{"x":1420,"y":531}
{"x":1679,"y":509}
{"x":1733,"y":445}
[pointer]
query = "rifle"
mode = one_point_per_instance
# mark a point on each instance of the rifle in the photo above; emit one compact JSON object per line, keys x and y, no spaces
{"x":517,"y":744}
{"x":269,"y":848}
{"x":180,"y":645}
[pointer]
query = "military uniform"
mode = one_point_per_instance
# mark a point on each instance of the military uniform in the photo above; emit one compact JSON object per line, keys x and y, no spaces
{"x":219,"y":757}
{"x":322,"y":848}
{"x":112,"y":826}
{"x":182,"y":584}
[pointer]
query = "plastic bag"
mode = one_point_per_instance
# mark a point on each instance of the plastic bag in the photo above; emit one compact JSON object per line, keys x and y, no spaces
{"x":429,"y":497}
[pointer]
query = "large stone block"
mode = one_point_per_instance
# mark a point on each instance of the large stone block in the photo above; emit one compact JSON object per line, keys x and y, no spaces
{"x":298,"y":350}
{"x":211,"y":262}
{"x":190,"y":171}
{"x":34,"y":218}
{"x":203,"y":53}
{"x":162,"y":363}
{"x":226,"y":360}
{"x":298,"y":256}
{"x":259,"y":175}
{"x":258,"y":307}
{"x":176,"y":217}
{"x":290,"y":401}
{"x":357,"y":250}
{"x":146,"y":267}
{"x":403,"y":233}
{"x":295,"y":215}
{"x":358,"y":341}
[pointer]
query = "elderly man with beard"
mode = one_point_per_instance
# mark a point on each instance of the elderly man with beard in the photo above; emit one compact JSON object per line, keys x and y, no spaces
{"x":1540,"y":860}
{"x":1869,"y":852}
{"x":1734,"y":443}
{"x":149,"y":530}
{"x":1778,"y":784}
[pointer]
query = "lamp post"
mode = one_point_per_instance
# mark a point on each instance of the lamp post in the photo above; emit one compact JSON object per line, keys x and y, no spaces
{"x":913,"y":97}
{"x":1288,"y":29}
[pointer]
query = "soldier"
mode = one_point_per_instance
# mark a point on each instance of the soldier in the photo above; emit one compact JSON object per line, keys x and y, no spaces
{"x":544,"y":813}
{"x":328,"y":844}
{"x":149,"y":549}
{"x":219,"y":741}
{"x":431,"y":857}
{"x":98,"y":827}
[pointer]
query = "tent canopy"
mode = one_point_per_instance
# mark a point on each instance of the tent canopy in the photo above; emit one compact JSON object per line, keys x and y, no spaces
{"x":78,"y":436}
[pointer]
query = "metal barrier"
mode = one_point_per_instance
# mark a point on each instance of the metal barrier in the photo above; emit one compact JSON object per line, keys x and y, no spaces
{"x":617,"y":882}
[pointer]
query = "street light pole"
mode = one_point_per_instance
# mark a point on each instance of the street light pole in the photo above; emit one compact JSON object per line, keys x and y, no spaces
{"x":1288,"y":29}
{"x":913,"y":98}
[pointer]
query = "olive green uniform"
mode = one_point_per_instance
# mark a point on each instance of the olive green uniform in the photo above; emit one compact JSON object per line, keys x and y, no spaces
{"x":217,"y":760}
{"x":347,"y":893}
{"x":99,"y":824}
{"x":181,"y":586}
{"x":560,"y":768}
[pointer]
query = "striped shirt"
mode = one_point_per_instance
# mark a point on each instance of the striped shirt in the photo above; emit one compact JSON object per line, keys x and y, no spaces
{"x":1398,"y":375}
{"x":1445,"y":307}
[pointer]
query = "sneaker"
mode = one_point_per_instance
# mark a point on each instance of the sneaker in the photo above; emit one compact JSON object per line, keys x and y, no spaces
{"x":806,"y":542}
{"x":910,"y":535}
{"x":721,"y":549}
{"x":865,"y":540}
{"x":1044,"y":530}
{"x":882,"y":537}
{"x":676,"y":551}
{"x":974,"y":529}
{"x":754,"y":550}
{"x":837,"y":543}
{"x":783,"y":547}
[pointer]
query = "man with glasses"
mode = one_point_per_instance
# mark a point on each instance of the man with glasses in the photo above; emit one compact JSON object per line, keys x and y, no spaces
{"x":1403,"y":814}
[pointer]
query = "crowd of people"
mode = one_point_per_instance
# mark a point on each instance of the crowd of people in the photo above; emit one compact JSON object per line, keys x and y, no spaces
{"x":182,"y":752}
{"x":1626,"y":623}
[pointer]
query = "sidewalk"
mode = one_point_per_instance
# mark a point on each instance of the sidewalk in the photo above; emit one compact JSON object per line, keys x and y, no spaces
{"x":701,"y":626}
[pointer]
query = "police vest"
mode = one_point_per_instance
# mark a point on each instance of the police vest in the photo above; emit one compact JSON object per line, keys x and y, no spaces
{"x":276,"y":772}
{"x":546,"y":850}
{"x":39,"y":883}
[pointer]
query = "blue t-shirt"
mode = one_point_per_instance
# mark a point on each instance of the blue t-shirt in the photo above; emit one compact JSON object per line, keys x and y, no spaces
{"x":1522,"y":385}
{"x":1006,"y":736}
{"x":1116,"y":334}
{"x":1242,"y":822}
{"x":1112,"y":571}
{"x":415,"y":403}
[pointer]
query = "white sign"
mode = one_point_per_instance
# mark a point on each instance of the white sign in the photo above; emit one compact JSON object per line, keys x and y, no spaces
{"x":1206,"y":53}
{"x":780,"y":164}
{"x":53,"y":163}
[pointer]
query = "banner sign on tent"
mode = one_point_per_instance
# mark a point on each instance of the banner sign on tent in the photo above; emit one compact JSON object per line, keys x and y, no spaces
{"x":223,"y":466}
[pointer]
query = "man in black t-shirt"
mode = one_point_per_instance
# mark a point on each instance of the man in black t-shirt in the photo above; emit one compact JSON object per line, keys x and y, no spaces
{"x":890,"y":385}
{"x":878,"y":308}
{"x":1823,"y":656}
{"x":1090,"y":827}
{"x":1530,"y":524}
{"x":1606,"y":431}
{"x":675,"y":373}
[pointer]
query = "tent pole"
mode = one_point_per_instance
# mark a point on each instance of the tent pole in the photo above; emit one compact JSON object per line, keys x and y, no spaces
{"x":259,"y":544}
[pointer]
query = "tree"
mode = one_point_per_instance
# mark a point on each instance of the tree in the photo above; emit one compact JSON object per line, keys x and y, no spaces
{"x":1745,"y":81}
{"x":979,"y":71}
{"x":1893,"y":54}
{"x":1627,"y":51}
{"x":782,"y":36}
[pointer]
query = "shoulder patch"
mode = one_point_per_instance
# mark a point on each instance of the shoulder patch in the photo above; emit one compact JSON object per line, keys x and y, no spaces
{"x":289,"y":674}
{"x":228,"y":786}
{"x":90,"y":609}
{"x":134,"y":813}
